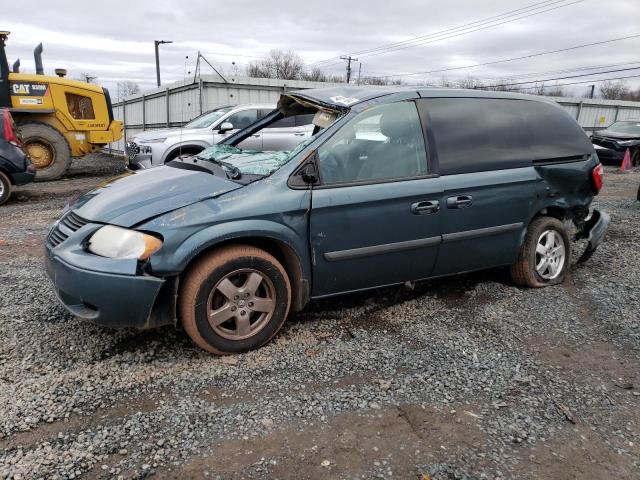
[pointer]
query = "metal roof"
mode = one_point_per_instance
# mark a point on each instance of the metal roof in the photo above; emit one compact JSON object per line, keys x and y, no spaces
{"x":342,"y":97}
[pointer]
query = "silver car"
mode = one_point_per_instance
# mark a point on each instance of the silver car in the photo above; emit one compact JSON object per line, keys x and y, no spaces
{"x":156,"y":147}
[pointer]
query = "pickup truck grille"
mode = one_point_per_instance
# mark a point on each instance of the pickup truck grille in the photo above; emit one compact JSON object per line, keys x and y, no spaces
{"x":66,"y":226}
{"x":132,"y":150}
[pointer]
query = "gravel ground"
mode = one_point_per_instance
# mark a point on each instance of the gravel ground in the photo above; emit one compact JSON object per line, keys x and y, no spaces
{"x":465,"y":377}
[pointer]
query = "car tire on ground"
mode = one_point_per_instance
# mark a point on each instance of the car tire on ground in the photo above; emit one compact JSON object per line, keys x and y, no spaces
{"x":234,"y":299}
{"x":5,"y":188}
{"x":48,"y":149}
{"x":544,"y":256}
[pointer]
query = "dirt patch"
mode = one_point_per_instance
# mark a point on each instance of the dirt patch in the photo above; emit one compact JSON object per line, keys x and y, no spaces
{"x":349,"y":446}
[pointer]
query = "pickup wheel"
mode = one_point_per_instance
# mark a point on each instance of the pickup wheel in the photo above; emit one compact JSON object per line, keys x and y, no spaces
{"x":234,"y":299}
{"x":5,"y":188}
{"x":544,"y":256}
{"x":48,"y":149}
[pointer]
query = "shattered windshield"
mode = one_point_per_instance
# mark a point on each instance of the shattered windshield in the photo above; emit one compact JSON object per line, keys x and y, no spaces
{"x":206,"y":120}
{"x":252,"y":162}
{"x":632,"y":128}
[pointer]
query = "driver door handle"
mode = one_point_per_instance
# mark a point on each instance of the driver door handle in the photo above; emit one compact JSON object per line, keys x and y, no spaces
{"x":426,"y":207}
{"x":460,"y":201}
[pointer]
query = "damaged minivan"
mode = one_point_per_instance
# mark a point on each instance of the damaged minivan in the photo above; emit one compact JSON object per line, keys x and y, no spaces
{"x":393,"y":186}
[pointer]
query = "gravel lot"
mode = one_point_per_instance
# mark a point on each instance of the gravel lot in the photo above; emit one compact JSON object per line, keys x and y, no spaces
{"x":465,"y":377}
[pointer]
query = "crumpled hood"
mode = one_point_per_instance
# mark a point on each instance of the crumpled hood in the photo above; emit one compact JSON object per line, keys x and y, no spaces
{"x":169,"y":132}
{"x":134,"y":197}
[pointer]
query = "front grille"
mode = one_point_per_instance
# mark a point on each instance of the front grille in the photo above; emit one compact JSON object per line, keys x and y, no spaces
{"x":132,"y":150}
{"x":65,"y":227}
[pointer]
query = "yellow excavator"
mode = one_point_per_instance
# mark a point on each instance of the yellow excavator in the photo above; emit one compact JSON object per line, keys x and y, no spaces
{"x":58,"y":118}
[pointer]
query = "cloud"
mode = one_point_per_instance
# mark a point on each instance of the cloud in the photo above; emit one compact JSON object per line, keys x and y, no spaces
{"x":116,"y":43}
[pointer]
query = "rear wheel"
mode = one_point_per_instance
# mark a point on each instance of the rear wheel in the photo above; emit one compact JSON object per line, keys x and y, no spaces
{"x":5,"y":188}
{"x":544,"y":256}
{"x":234,"y":299}
{"x":48,"y":149}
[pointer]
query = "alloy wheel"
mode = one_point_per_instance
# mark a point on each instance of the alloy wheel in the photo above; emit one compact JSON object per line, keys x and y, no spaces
{"x":550,"y":254}
{"x":241,"y":304}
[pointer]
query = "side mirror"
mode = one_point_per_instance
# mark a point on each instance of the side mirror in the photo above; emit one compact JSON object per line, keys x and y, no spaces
{"x":225,"y":127}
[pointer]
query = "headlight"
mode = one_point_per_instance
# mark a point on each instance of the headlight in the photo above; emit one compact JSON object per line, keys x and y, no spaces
{"x":153,"y":140}
{"x":116,"y":242}
{"x":627,"y":143}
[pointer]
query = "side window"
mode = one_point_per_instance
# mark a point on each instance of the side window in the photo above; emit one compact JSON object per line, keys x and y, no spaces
{"x":383,"y":142}
{"x":479,"y":134}
{"x":243,"y":118}
{"x":554,"y":132}
{"x":80,"y":107}
{"x":283,"y":123}
{"x":304,"y":120}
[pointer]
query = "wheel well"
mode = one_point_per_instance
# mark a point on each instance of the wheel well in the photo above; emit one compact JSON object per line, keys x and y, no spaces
{"x":189,"y":149}
{"x":300,"y":289}
{"x":8,"y":175}
{"x":552,"y":211}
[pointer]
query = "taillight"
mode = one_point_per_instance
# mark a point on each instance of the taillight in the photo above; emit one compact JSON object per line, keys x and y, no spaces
{"x":9,"y":132}
{"x":597,"y":176}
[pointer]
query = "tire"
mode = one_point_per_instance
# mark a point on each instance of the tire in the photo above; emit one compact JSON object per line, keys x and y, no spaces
{"x":183,"y":152}
{"x":201,"y":295}
{"x":48,"y":149}
{"x":5,"y":188}
{"x":525,"y":272}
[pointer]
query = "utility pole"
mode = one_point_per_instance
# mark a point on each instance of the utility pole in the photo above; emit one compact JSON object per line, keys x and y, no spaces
{"x":593,"y":88}
{"x":359,"y":72}
{"x":349,"y":59}
{"x":156,"y":43}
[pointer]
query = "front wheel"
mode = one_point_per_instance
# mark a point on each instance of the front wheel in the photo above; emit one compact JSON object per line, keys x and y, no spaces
{"x":234,"y":299}
{"x":544,"y":256}
{"x":48,"y":149}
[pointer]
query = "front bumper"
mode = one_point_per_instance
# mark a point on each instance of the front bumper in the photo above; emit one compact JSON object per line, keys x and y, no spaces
{"x":609,"y":155}
{"x":139,"y":155}
{"x":594,"y":231}
{"x":106,"y":291}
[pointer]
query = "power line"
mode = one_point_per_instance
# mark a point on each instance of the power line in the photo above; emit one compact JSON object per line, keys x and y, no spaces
{"x":450,"y":29}
{"x":539,"y":54}
{"x":560,"y":78}
{"x":577,"y":83}
{"x":458,"y":31}
{"x":514,"y":76}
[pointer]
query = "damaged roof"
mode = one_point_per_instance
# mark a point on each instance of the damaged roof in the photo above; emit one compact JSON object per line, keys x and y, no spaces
{"x":344,"y":97}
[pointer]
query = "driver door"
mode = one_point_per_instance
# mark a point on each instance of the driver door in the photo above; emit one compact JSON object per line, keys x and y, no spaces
{"x":375,"y":219}
{"x":241,"y":119}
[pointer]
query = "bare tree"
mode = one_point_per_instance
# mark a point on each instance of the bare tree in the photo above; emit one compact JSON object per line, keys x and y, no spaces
{"x":614,"y":90}
{"x":553,"y":91}
{"x":278,"y":64}
{"x":87,"y":78}
{"x":127,"y":88}
{"x":314,"y":75}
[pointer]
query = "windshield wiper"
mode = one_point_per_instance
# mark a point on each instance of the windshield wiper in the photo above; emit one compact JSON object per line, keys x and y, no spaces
{"x":233,"y":170}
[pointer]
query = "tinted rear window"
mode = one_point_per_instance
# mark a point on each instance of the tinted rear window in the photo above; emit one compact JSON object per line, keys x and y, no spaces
{"x":473,"y":134}
{"x":554,"y":133}
{"x":480,"y":134}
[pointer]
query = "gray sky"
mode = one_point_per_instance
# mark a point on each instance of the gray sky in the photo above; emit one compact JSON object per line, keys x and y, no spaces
{"x":116,"y":42}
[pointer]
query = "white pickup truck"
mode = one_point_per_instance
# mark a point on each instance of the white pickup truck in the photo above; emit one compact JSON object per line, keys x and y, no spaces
{"x":156,"y":147}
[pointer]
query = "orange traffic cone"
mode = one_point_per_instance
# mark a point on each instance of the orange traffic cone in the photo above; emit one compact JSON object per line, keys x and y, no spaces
{"x":625,"y":166}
